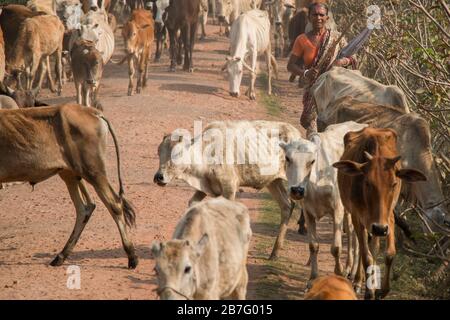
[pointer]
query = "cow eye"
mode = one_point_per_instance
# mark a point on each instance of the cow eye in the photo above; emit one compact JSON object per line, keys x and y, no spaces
{"x":187,"y":269}
{"x":394,"y":184}
{"x":287,"y":159}
{"x":312,"y":162}
{"x":156,"y":270}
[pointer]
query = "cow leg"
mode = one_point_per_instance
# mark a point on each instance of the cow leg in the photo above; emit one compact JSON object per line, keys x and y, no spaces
{"x":269,"y":71}
{"x":251,"y":90}
{"x":42,"y":70}
{"x":349,"y":230}
{"x":84,"y":211}
{"x":367,"y":260}
{"x":390,"y":254}
{"x":87,"y":95}
{"x":58,"y":69}
{"x":192,"y":36}
{"x":313,"y":247}
{"x":51,"y":83}
{"x":356,"y":257}
{"x":197,"y":197}
{"x":301,"y":224}
{"x":80,"y":90}
{"x":131,"y":72}
{"x":140,"y":73}
{"x":147,"y":54}
{"x":172,"y":49}
{"x":279,"y":193}
{"x":240,"y":291}
{"x":336,"y":247}
{"x":185,"y":32}
{"x":116,"y":208}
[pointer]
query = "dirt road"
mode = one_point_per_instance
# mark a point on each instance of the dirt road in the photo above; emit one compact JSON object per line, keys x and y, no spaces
{"x":34,"y":226}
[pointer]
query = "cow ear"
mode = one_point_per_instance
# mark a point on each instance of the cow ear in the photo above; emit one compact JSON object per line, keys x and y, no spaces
{"x":228,"y":58}
{"x":224,"y":67}
{"x":237,"y":58}
{"x":410,"y":175}
{"x":349,"y":168}
{"x":157,"y":248}
{"x":201,"y":245}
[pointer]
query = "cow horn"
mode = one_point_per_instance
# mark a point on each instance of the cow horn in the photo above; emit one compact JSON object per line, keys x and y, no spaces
{"x":120,"y":61}
{"x":368,"y":156}
{"x":9,"y":90}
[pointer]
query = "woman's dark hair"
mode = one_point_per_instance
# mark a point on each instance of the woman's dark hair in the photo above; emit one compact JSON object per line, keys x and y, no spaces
{"x":317,"y":4}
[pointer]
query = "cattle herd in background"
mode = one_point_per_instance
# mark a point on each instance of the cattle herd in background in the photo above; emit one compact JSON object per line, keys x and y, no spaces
{"x":372,"y":149}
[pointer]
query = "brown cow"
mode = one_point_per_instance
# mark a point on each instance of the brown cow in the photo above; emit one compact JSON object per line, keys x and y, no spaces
{"x":332,"y":287}
{"x":68,"y":140}
{"x":87,"y":68}
{"x":138,"y":34}
{"x":182,"y":15}
{"x":39,"y":37}
{"x":369,"y":179}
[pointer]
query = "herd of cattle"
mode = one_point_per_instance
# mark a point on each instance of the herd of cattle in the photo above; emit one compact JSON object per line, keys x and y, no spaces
{"x":371,"y":149}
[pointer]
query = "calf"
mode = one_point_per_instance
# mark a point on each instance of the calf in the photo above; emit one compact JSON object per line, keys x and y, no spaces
{"x":313,"y":181}
{"x":68,"y":140}
{"x":369,"y":179}
{"x":248,"y":167}
{"x":23,"y":98}
{"x":138,"y":35}
{"x":87,"y":66}
{"x":331,"y":287}
{"x":250,"y":36}
{"x":207,"y":256}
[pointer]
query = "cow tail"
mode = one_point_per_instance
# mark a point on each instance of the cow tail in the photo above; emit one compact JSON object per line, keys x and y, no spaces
{"x":128,"y":209}
{"x":274,"y":64}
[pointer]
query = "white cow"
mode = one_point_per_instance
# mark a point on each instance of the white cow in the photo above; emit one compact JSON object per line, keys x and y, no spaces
{"x":229,"y":10}
{"x":282,"y":12}
{"x":94,"y":27}
{"x":237,"y":154}
{"x":313,"y":181}
{"x":207,"y":256}
{"x":340,"y":82}
{"x":250,"y":36}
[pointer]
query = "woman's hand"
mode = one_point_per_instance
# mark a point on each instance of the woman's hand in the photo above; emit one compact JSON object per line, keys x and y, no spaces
{"x":343,"y":62}
{"x":311,"y":74}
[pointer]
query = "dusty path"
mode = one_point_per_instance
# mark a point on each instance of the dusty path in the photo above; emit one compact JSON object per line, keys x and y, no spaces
{"x":34,"y":226}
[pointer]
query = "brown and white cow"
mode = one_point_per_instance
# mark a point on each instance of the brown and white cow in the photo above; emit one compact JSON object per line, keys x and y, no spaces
{"x":332,"y":287}
{"x":370,"y":179}
{"x":68,"y":140}
{"x":87,"y":68}
{"x":138,"y":35}
{"x":413,"y":143}
{"x":206,"y":258}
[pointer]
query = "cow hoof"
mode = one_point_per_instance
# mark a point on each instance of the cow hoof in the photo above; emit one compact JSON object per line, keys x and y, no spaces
{"x":273,"y":256}
{"x":58,"y":261}
{"x":138,"y":90}
{"x":133,"y":262}
{"x":380,"y":294}
{"x":191,"y":70}
{"x":130,"y":92}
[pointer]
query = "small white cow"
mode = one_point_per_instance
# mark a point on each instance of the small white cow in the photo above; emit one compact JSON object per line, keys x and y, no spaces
{"x":250,"y":36}
{"x":340,"y":82}
{"x":207,"y":256}
{"x":313,"y":181}
{"x":228,"y":155}
{"x":229,"y":10}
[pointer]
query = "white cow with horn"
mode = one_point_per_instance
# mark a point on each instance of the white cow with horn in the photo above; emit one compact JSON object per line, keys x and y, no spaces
{"x":250,"y":36}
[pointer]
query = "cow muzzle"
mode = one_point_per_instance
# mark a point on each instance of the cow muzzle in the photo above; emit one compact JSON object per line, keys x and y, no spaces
{"x":221,"y":19}
{"x":380,"y":230}
{"x":93,"y":8}
{"x":297,"y":193}
{"x":91,"y":82}
{"x":234,"y":94}
{"x":159,"y":179}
